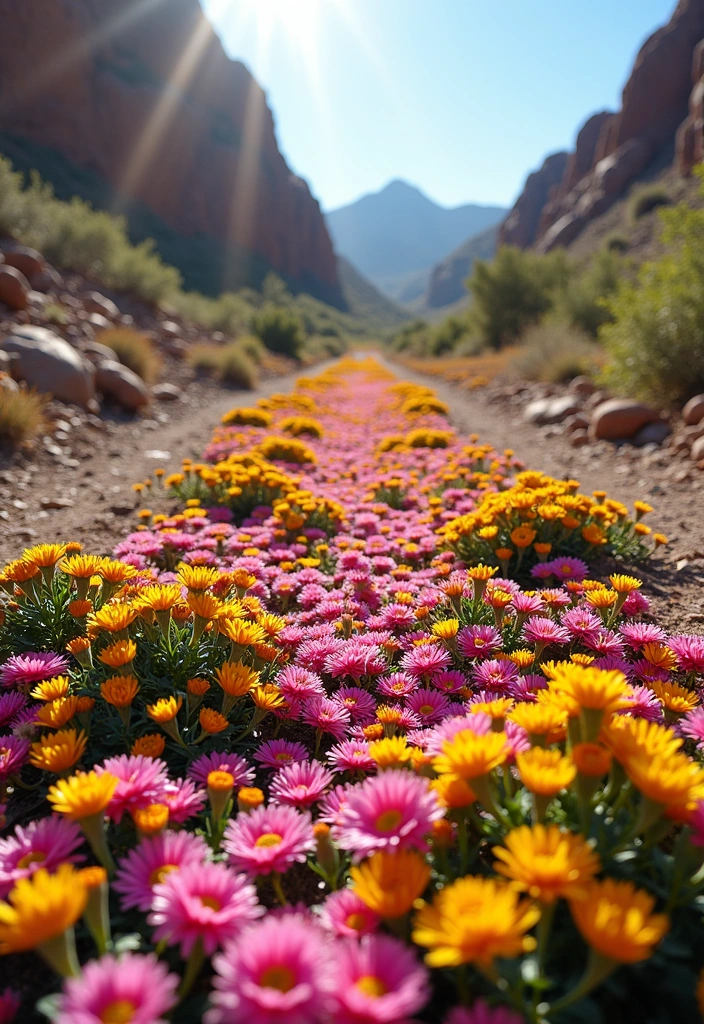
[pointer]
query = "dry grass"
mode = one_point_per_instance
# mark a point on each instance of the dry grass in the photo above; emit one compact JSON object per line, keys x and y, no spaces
{"x":135,"y":350}
{"x":21,"y":416}
{"x":471,"y":371}
{"x":555,"y":352}
{"x":231,"y":364}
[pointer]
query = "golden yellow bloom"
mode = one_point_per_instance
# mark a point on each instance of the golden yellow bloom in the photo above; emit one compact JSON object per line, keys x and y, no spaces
{"x":593,"y":688}
{"x":475,"y":920}
{"x":628,"y":737}
{"x":675,"y":698}
{"x":522,"y":658}
{"x":497,"y":709}
{"x":220,"y":782}
{"x":267,"y":697}
{"x":539,"y":719}
{"x":20,"y":571}
{"x":212,"y":721}
{"x":58,"y":751}
{"x":671,"y":780}
{"x":116,"y":572}
{"x":523,"y":536}
{"x":601,"y":597}
{"x":52,"y":689}
{"x":469,"y":756}
{"x":119,"y":691}
{"x":625,"y":584}
{"x":249,"y":797}
{"x":547,"y":863}
{"x":81,"y":566}
{"x":165,"y":709}
{"x":593,"y":534}
{"x":57,"y":713}
{"x":79,"y":645}
{"x":390,"y":883}
{"x":197,"y":577}
{"x":660,"y":655}
{"x":446,"y":630}
{"x":391,"y":752}
{"x":545,"y":772}
{"x":453,"y":793}
{"x":591,"y":759}
{"x":112,"y":618}
{"x":119,"y":654}
{"x":387,"y":714}
{"x":83,"y":794}
{"x":41,"y":908}
{"x":160,"y":597}
{"x":617,"y":921}
{"x":198,"y":687}
{"x":151,"y":745}
{"x":203,"y":605}
{"x":482,"y":572}
{"x":79,"y":609}
{"x":44,"y":555}
{"x":151,"y":819}
{"x":235,"y":678}
{"x":242,"y":633}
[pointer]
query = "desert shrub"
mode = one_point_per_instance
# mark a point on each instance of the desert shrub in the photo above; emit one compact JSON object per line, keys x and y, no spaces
{"x":446,"y":336}
{"x":230,"y":313}
{"x":21,"y":416}
{"x":322,"y":347}
{"x":55,"y":313}
{"x":555,"y":351}
{"x":280,"y":330}
{"x":513,"y":291}
{"x":645,"y":198}
{"x":135,"y":350}
{"x":229,"y":363}
{"x":616,"y":242}
{"x":252,"y":347}
{"x":582,"y":301}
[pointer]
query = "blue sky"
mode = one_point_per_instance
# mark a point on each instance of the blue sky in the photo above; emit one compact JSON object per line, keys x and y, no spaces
{"x":460,"y":97}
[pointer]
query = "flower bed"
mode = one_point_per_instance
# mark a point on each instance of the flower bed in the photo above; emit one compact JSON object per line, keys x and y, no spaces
{"x":352,"y":736}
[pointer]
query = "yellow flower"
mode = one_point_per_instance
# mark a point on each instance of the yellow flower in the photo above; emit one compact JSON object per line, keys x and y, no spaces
{"x":165,"y":709}
{"x":675,"y":698}
{"x":545,"y":772}
{"x":474,"y":920}
{"x":236,"y":679}
{"x":197,"y":687}
{"x":52,"y":689}
{"x":391,"y":752}
{"x":116,"y":572}
{"x":593,"y":534}
{"x":112,"y":618}
{"x":591,"y":759}
{"x":453,"y":793}
{"x":58,"y":751}
{"x":390,"y":883}
{"x":617,"y":921}
{"x":119,"y":691}
{"x":660,"y":655}
{"x":151,"y":819}
{"x":628,"y":737}
{"x":267,"y":697}
{"x":44,"y":555}
{"x":242,"y":633}
{"x":469,"y":756}
{"x":601,"y":597}
{"x":57,"y":713}
{"x":119,"y":654}
{"x":671,"y":780}
{"x":203,"y":605}
{"x":161,"y":597}
{"x":197,"y":577}
{"x":547,"y":863}
{"x":593,"y":688}
{"x":212,"y":721}
{"x":41,"y":908}
{"x":151,"y":745}
{"x":625,"y":584}
{"x":539,"y":719}
{"x":249,"y":797}
{"x":83,"y":794}
{"x":81,"y":566}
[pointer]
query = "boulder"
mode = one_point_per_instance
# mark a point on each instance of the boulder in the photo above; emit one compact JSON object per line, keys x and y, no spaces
{"x":579,"y":438}
{"x":98,"y":322}
{"x":536,"y":410}
{"x":94,"y":302}
{"x":98,"y":353}
{"x":560,"y":408}
{"x":49,"y":364}
{"x":28,"y":261}
{"x":697,"y":451}
{"x":170,"y":329}
{"x":14,"y":288}
{"x":47,"y":280}
{"x":620,"y":418}
{"x":167,"y":393}
{"x":576,"y":422}
{"x":122,"y":385}
{"x":693,"y":412}
{"x":582,"y":385}
{"x":652,"y":433}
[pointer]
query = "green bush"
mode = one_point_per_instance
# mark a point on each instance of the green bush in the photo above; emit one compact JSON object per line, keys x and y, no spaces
{"x":616,"y":242}
{"x":228,"y":363}
{"x":280,"y":331}
{"x":644,"y":198}
{"x":656,"y":340}
{"x":555,"y":351}
{"x":582,"y":301}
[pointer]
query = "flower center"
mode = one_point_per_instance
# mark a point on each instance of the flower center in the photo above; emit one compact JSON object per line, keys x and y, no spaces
{"x":372,"y":986}
{"x":283,"y":756}
{"x":269,"y":839}
{"x":159,"y":874}
{"x":119,"y":1012}
{"x":209,"y":901}
{"x":278,"y":977}
{"x":35,"y":857}
{"x":356,"y":921}
{"x":388,"y":820}
{"x":426,"y":709}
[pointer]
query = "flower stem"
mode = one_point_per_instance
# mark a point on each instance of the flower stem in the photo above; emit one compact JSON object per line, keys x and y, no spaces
{"x":193,"y":966}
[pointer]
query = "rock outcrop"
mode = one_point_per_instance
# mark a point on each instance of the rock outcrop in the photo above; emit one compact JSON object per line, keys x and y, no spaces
{"x":143,"y":96}
{"x":613,"y":150}
{"x":521,"y":226}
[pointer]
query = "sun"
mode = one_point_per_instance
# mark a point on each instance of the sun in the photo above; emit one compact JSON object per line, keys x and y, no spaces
{"x":298,"y":20}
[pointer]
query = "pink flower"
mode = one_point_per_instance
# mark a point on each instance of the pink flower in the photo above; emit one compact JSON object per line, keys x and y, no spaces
{"x":426,"y":661}
{"x":32,"y":668}
{"x":391,"y":811}
{"x":541,"y":632}
{"x":345,"y":914}
{"x":398,"y":685}
{"x":479,"y":641}
{"x":567,"y":568}
{"x":360,"y":704}
{"x":350,"y":756}
{"x":581,"y":621}
{"x":43,"y":843}
{"x":354,"y":660}
{"x":297,"y":683}
{"x":138,"y":984}
{"x":606,"y":641}
{"x":638,"y":634}
{"x":279,"y":753}
{"x":692,"y":725}
{"x":482,"y":1013}
{"x":300,"y":784}
{"x":327,"y":715}
{"x":203,"y":902}
{"x":690,"y":652}
{"x":201,"y":768}
{"x":10,"y":704}
{"x":429,"y":705}
{"x":13,"y":754}
{"x":450,"y":681}
{"x":378,"y":981}
{"x":479,"y":723}
{"x":10,"y":1002}
{"x":330,"y":807}
{"x":494,"y":674}
{"x":635,"y":604}
{"x":183,"y":799}
{"x":142,"y":781}
{"x":151,"y":861}
{"x":644,"y":704}
{"x":269,"y":839}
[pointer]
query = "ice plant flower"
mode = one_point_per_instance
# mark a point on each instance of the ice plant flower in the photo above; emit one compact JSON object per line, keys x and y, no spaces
{"x":345,"y":914}
{"x":378,"y":981}
{"x":390,"y":883}
{"x":43,"y":843}
{"x":547,"y":863}
{"x":617,"y":921}
{"x":84,"y":797}
{"x":151,"y":861}
{"x":269,"y":839}
{"x":131,"y":989}
{"x":300,"y":784}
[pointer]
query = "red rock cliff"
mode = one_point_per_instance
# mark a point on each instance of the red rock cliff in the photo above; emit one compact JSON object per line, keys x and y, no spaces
{"x":142,"y":93}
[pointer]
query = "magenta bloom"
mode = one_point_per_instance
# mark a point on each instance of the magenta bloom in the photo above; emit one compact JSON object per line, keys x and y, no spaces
{"x":426,"y":661}
{"x":567,"y":568}
{"x":378,"y":981}
{"x":297,"y":683}
{"x":451,"y":681}
{"x":479,"y":641}
{"x":142,"y":782}
{"x":390,"y":811}
{"x":541,"y":632}
{"x":330,"y":807}
{"x":43,"y":843}
{"x":692,"y":725}
{"x":13,"y":754}
{"x":354,"y":660}
{"x":279,"y":753}
{"x":360,"y":704}
{"x":300,"y":784}
{"x":269,"y":839}
{"x":398,"y":685}
{"x":134,"y":982}
{"x":479,"y":723}
{"x":582,"y":622}
{"x":638,"y":634}
{"x":206,"y":902}
{"x":327,"y":715}
{"x":495,"y":675}
{"x":241,"y":771}
{"x":280,"y":971}
{"x":346,"y":915}
{"x":482,"y":1013}
{"x":351,"y":756}
{"x":151,"y":861}
{"x":183,"y":799}
{"x":10,"y":1002}
{"x":690,"y":652}
{"x":429,"y":705}
{"x":32,"y":668}
{"x":11,"y":703}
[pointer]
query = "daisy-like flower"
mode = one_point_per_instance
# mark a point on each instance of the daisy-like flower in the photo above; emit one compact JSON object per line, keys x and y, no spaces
{"x":280,"y":971}
{"x":567,"y":568}
{"x":346,"y":915}
{"x":495,"y":675}
{"x":134,"y":988}
{"x":479,"y":724}
{"x":429,"y":705}
{"x":239,"y":769}
{"x":450,"y":681}
{"x":542,"y":632}
{"x":638,"y":634}
{"x":205,"y":902}
{"x":22,"y":669}
{"x":390,"y":811}
{"x":691,"y":725}
{"x":330,"y":807}
{"x":350,"y":756}
{"x":378,"y":981}
{"x":360,"y":704}
{"x":300,"y":784}
{"x":41,"y":908}
{"x":390,"y":883}
{"x":354,"y":661}
{"x":43,"y":843}
{"x":426,"y":661}
{"x":398,"y":685}
{"x":690,"y":652}
{"x":269,"y":839}
{"x":617,"y":921}
{"x":479,"y":641}
{"x":280,"y":753}
{"x":140,"y":781}
{"x":183,"y":800}
{"x":10,"y":704}
{"x":327,"y":715}
{"x":13,"y":754}
{"x":547,"y":863}
{"x":151,"y":861}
